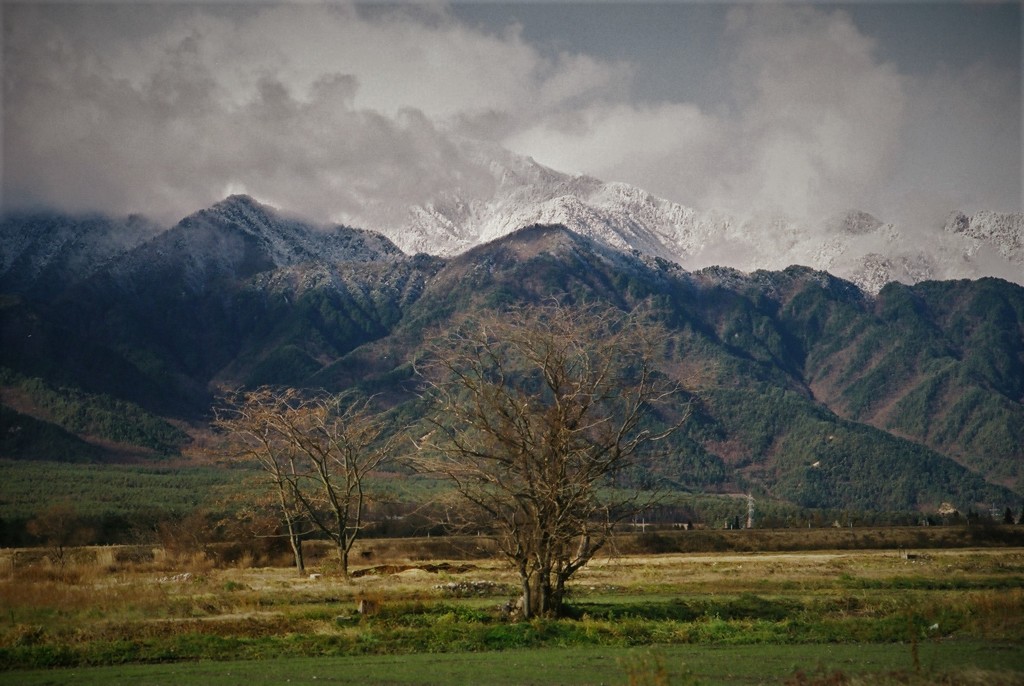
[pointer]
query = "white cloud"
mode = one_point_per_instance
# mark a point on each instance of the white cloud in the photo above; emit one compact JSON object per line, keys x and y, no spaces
{"x":823,"y":116}
{"x":815,"y":122}
{"x":349,"y":113}
{"x":663,"y":148}
{"x":322,"y":108}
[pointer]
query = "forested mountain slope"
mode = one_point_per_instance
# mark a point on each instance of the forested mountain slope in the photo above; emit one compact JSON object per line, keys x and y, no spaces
{"x":807,"y":389}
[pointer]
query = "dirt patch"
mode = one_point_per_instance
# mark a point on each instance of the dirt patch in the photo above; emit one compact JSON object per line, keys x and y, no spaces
{"x":381,"y":570}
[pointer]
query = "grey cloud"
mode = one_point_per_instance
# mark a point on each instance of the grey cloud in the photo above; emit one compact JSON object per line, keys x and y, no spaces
{"x":315,"y":109}
{"x":966,"y":139}
{"x":353,"y":115}
{"x":824,"y":116}
{"x":814,"y":121}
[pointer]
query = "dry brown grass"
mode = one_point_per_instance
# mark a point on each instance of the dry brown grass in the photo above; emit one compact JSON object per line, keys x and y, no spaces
{"x":111,"y":594}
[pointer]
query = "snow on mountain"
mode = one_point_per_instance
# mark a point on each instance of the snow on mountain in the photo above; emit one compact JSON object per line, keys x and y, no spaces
{"x":283,"y":240}
{"x":854,"y":245}
{"x":239,"y":237}
{"x":1002,"y":231}
{"x":44,"y":251}
{"x":503,"y":193}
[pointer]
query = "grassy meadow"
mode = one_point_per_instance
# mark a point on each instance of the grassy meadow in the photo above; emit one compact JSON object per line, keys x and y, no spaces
{"x":141,"y":614}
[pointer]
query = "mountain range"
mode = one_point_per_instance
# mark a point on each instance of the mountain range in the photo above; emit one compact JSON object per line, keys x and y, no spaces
{"x":853,"y":244}
{"x":815,"y":390}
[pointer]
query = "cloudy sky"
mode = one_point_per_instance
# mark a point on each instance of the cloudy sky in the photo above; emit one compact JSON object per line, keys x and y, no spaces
{"x":906,"y":110}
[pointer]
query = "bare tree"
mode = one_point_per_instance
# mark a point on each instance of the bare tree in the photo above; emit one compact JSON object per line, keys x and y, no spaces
{"x":317,"y":451}
{"x":538,"y":410}
{"x":254,"y":421}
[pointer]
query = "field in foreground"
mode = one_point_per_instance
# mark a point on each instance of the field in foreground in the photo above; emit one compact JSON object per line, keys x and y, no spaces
{"x":707,"y":618}
{"x":724,"y":665}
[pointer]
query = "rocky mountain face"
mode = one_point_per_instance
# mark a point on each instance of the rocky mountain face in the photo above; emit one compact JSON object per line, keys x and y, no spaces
{"x":811,"y":390}
{"x":1002,"y":232}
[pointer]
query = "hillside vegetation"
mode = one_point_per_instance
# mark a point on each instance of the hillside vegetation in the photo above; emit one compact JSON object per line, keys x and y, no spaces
{"x":811,"y":392}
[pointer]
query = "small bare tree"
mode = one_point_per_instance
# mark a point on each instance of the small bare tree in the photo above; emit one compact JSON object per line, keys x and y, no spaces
{"x":60,"y":528}
{"x":538,"y":410}
{"x":318,"y":451}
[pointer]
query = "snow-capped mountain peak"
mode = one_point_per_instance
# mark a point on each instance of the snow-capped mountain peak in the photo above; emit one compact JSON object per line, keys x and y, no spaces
{"x":854,"y":244}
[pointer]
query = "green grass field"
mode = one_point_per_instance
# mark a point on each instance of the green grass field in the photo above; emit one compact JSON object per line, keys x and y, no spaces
{"x":711,"y":664}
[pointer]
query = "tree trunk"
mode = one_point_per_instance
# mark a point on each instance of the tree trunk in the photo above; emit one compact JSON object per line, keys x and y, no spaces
{"x":544,"y":596}
{"x":343,"y":556}
{"x":539,"y":598}
{"x":295,"y":541}
{"x":527,"y":604}
{"x":558,"y":595}
{"x":300,"y":561}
